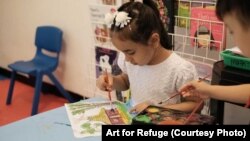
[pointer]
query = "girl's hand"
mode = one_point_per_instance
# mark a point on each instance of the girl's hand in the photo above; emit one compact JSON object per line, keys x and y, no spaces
{"x":105,"y":82}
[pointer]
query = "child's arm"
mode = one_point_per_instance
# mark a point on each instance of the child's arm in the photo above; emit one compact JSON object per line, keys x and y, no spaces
{"x":187,"y":105}
{"x":236,"y":93}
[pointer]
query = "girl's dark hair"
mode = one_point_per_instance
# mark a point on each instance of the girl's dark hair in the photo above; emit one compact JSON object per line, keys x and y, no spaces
{"x":145,"y":21}
{"x":240,"y":7}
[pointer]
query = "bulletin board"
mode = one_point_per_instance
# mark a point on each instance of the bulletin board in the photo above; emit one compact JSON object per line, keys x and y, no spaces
{"x":198,"y":35}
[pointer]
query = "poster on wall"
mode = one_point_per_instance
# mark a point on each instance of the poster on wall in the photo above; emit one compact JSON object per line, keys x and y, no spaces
{"x":97,"y":12}
{"x":101,"y":35}
{"x":106,"y":59}
{"x":109,"y":2}
{"x":207,"y":30}
{"x":183,"y":10}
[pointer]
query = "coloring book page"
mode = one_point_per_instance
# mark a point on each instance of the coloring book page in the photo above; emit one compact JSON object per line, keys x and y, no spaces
{"x":87,"y":118}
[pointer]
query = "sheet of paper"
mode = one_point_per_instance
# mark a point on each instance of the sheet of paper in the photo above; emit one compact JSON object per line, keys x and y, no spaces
{"x":86,"y":118}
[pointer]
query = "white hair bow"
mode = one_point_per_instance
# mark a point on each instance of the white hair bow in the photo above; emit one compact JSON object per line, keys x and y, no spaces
{"x":109,"y":19}
{"x":121,"y":19}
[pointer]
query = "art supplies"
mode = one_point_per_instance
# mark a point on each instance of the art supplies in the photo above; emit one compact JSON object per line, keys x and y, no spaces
{"x":109,"y":93}
{"x":179,"y":93}
{"x":165,"y":100}
{"x":193,"y":112}
{"x":154,"y":115}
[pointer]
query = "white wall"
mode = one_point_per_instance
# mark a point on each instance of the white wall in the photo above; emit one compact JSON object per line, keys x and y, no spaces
{"x":18,"y":21}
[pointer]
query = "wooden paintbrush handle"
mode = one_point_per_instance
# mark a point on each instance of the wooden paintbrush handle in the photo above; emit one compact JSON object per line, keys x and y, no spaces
{"x":194,"y":111}
{"x":179,"y":93}
{"x":107,"y":81}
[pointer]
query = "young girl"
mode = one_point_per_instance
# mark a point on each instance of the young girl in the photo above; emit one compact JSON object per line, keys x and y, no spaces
{"x":236,"y":16}
{"x":150,"y":69}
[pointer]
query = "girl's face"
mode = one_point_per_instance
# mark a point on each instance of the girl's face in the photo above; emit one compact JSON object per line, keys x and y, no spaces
{"x":135,"y":53}
{"x":240,"y":34}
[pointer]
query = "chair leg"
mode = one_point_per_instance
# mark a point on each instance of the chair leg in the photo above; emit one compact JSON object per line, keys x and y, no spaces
{"x":11,"y":87}
{"x":61,"y":89}
{"x":36,"y":98}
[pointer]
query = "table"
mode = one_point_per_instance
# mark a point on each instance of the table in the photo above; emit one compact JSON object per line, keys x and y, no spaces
{"x":52,"y":125}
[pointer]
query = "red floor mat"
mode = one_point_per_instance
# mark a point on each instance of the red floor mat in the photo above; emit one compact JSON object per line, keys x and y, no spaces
{"x":22,"y":102}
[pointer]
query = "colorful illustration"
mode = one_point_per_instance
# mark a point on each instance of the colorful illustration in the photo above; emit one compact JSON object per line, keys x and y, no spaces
{"x":106,"y":59}
{"x":87,"y":118}
{"x":206,"y":30}
{"x":163,"y":116}
{"x":109,"y":2}
{"x":166,"y":10}
{"x":163,"y":13}
{"x":101,"y":33}
{"x":183,"y":10}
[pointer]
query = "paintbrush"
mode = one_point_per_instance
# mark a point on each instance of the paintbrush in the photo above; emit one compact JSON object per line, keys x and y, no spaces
{"x":169,"y":98}
{"x":109,"y":93}
{"x":179,"y":93}
{"x":194,"y":111}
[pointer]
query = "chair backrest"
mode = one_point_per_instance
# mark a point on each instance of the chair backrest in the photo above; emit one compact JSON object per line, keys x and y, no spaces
{"x":49,"y":38}
{"x":48,"y":41}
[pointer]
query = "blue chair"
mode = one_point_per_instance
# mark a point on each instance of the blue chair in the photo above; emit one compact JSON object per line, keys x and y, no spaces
{"x":48,"y":42}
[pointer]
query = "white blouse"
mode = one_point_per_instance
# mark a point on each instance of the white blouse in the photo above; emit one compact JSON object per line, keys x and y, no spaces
{"x":157,"y":82}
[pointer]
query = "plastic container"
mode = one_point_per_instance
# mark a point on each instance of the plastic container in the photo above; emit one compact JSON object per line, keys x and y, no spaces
{"x":234,"y":60}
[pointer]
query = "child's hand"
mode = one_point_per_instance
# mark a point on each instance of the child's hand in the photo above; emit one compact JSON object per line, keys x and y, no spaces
{"x":105,"y":82}
{"x":139,"y":107}
{"x":195,"y":88}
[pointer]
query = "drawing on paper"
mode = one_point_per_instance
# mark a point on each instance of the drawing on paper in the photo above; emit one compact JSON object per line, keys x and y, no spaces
{"x":87,"y":118}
